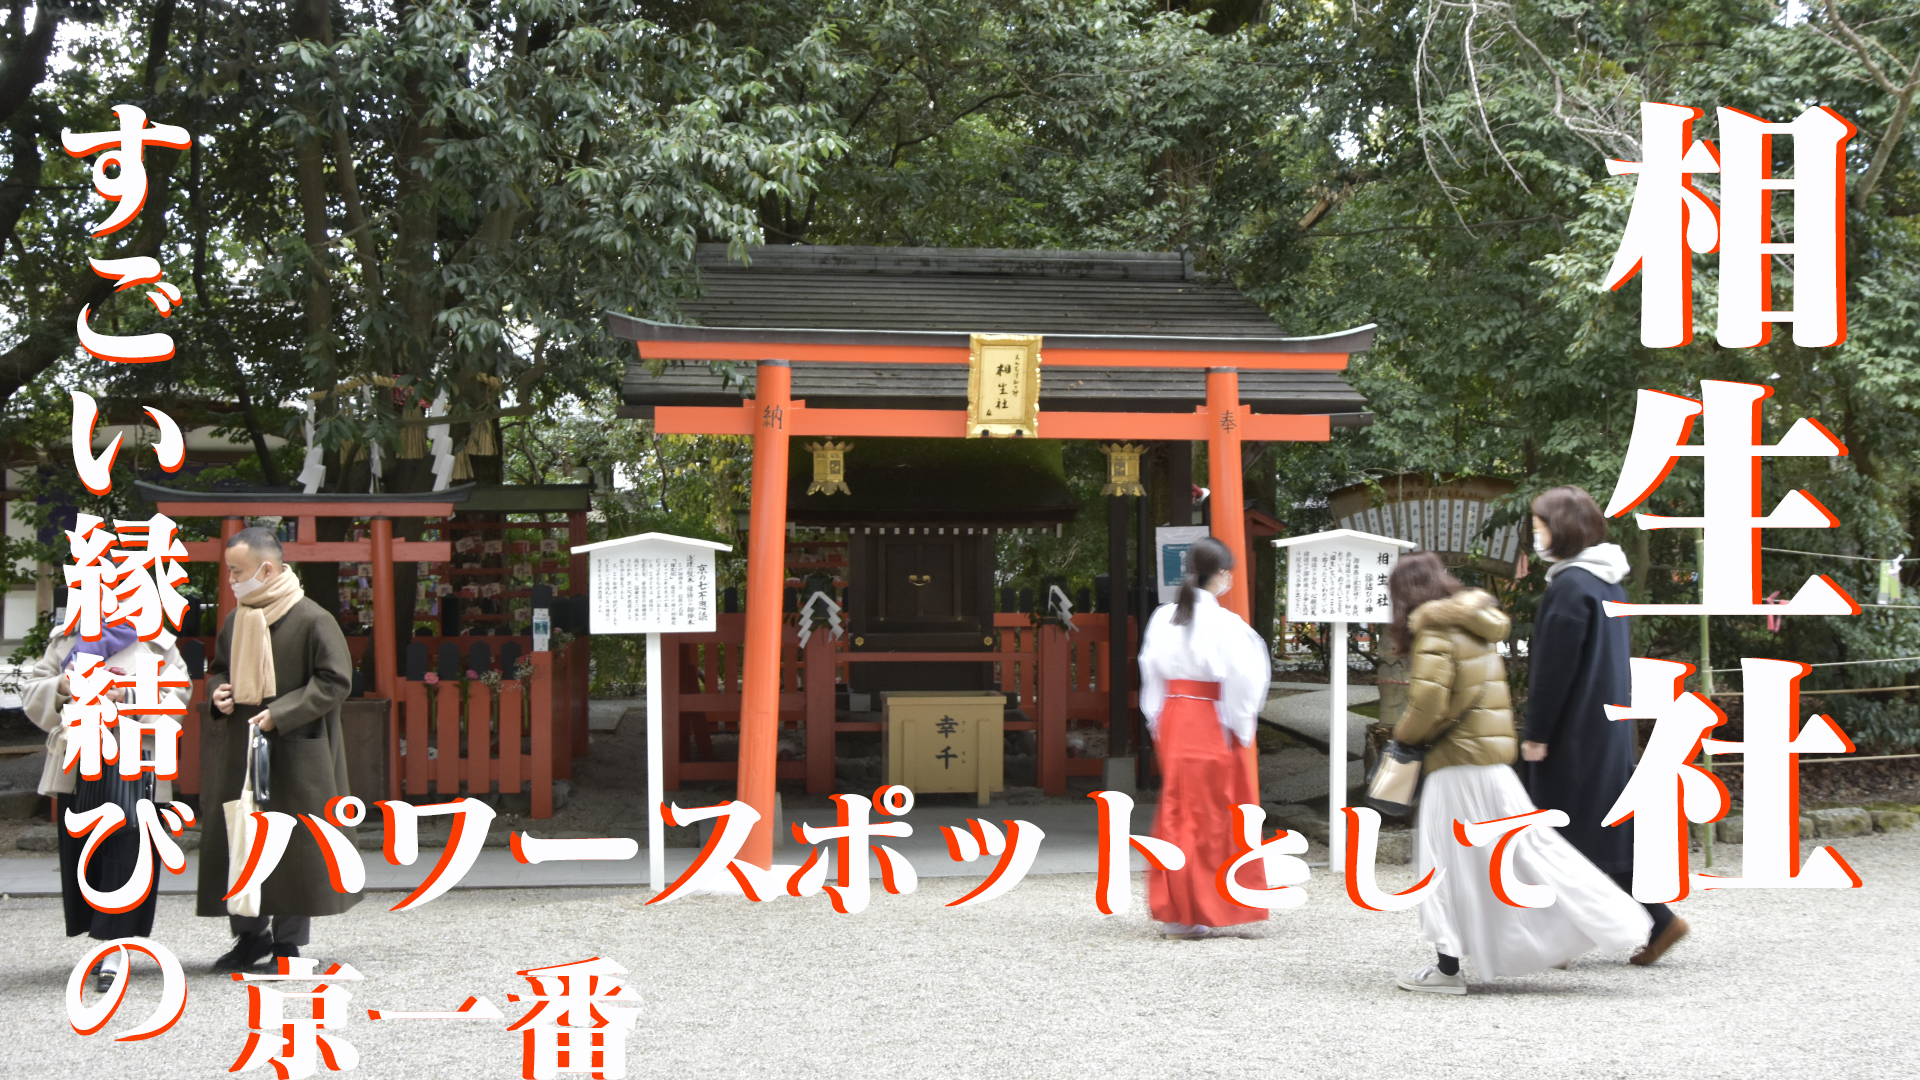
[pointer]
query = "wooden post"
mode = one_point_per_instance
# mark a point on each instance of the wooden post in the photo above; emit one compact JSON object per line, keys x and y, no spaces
{"x":1229,"y":519}
{"x":543,"y":731}
{"x":188,"y":780}
{"x":1119,"y":729}
{"x":820,"y":712}
{"x":1147,"y":590}
{"x":672,"y":739}
{"x":1336,"y":743}
{"x":656,"y":775}
{"x":766,"y":581}
{"x":1051,"y":736}
{"x":579,"y":687}
{"x":228,"y":527}
{"x":1180,"y":483}
{"x":579,"y":584}
{"x":386,"y":650}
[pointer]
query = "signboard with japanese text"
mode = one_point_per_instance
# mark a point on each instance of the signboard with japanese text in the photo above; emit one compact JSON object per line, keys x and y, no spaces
{"x":651,"y":584}
{"x":1453,"y":517}
{"x":1003,"y":386}
{"x":1340,"y":576}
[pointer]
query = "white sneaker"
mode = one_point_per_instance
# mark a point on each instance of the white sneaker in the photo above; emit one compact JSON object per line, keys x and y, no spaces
{"x":106,"y":968}
{"x":1429,"y":980}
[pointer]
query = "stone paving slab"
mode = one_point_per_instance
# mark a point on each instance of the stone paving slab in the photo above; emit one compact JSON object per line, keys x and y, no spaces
{"x":1307,"y":714}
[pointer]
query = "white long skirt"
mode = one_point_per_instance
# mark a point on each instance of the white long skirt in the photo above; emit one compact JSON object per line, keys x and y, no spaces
{"x":1462,"y":917}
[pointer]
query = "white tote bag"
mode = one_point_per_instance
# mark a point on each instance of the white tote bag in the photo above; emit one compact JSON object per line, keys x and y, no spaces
{"x":241,"y":828}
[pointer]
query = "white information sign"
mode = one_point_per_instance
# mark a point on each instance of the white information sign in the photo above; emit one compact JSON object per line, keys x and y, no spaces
{"x":1340,"y":576}
{"x":652,"y":584}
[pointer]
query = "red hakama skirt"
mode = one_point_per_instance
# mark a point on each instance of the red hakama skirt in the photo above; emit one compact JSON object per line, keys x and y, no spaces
{"x":1202,"y":778}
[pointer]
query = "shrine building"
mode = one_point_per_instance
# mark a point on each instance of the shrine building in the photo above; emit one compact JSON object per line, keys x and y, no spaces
{"x":905,"y":407}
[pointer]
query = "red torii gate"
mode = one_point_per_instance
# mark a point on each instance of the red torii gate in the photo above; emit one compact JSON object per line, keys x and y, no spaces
{"x":380,"y":548}
{"x":772,"y":417}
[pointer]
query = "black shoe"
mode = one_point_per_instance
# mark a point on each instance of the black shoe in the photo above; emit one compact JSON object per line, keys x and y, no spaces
{"x":247,"y":952}
{"x":282,"y":950}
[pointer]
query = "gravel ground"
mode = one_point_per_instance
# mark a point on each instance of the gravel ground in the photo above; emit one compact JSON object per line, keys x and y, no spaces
{"x":1040,"y":985}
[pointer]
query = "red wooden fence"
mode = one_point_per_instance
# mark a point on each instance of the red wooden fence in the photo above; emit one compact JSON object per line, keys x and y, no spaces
{"x":535,"y":728}
{"x":1060,"y":678}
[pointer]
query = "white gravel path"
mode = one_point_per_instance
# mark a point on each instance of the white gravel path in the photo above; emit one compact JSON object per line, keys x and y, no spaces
{"x":1039,"y":984}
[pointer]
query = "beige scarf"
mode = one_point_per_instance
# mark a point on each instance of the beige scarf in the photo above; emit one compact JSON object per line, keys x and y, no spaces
{"x":252,"y":665}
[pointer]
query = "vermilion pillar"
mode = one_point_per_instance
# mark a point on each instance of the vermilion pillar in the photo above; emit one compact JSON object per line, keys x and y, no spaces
{"x":766,"y":581}
{"x":1223,"y":475}
{"x":1229,"y":515}
{"x":228,"y":527}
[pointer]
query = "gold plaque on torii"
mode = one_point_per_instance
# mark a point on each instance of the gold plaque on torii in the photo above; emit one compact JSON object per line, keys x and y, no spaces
{"x":1003,"y":386}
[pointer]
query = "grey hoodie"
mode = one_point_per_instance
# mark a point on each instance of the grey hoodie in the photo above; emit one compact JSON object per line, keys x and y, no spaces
{"x":1604,"y":561}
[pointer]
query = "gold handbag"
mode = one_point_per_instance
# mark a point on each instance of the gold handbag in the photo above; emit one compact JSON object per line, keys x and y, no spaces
{"x":1394,"y":787}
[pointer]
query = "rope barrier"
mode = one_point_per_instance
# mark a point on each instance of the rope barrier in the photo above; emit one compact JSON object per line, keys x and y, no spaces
{"x":1837,"y":663}
{"x":1718,"y":765}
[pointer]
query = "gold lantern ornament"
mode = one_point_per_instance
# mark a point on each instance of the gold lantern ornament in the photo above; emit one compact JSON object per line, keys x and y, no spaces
{"x":829,"y":468}
{"x":1123,"y":469}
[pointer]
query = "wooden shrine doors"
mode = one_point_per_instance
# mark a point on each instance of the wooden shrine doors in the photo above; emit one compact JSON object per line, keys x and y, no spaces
{"x":921,"y":593}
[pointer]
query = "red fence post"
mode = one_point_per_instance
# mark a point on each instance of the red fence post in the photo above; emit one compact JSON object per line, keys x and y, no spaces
{"x":412,"y":702}
{"x":446,"y":719}
{"x":820,"y":713}
{"x":543,"y":734}
{"x":188,"y":780}
{"x":1051,"y":748}
{"x":512,"y":709}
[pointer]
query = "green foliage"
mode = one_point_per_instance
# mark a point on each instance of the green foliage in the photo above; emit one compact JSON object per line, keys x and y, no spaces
{"x":454,"y":192}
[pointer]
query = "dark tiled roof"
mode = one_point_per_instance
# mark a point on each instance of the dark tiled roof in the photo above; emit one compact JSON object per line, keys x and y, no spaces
{"x":944,"y":386}
{"x":970,"y":290}
{"x":1106,"y":293}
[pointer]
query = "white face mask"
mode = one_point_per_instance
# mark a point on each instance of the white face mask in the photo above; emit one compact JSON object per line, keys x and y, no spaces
{"x":1221,"y":582}
{"x":1540,"y":549}
{"x":244,"y":589}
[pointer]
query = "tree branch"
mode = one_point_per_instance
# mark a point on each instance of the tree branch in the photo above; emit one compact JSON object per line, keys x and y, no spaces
{"x":1902,"y":104}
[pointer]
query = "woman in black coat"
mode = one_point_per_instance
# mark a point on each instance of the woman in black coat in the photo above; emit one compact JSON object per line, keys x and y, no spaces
{"x":1577,"y":760}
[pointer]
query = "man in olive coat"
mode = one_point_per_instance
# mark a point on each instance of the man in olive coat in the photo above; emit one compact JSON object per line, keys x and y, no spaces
{"x":292,"y":662}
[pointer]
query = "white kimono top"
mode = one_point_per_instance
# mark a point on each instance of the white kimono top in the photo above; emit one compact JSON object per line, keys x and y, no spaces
{"x":1217,"y":646}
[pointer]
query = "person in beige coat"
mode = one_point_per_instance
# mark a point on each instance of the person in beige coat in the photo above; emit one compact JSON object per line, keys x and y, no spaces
{"x":44,"y":693}
{"x":1459,"y":707}
{"x":280,"y":665}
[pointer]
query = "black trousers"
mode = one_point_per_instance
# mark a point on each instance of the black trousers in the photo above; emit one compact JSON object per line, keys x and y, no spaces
{"x":1662,"y":914}
{"x":287,"y":929}
{"x":113,"y":859}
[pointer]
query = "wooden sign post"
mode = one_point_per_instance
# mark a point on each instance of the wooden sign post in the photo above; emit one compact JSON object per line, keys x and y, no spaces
{"x":1339,"y":577}
{"x":651,"y":584}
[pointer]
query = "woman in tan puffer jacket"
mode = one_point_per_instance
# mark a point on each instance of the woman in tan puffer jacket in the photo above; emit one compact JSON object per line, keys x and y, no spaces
{"x":1456,"y":672}
{"x":1458,"y":706}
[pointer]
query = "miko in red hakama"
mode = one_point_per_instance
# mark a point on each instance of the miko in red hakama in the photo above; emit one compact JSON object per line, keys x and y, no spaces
{"x":1202,"y":779}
